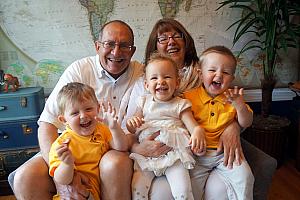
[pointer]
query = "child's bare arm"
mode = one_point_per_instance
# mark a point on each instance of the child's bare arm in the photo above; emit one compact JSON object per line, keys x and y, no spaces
{"x":244,"y":115}
{"x":119,"y":140}
{"x":65,"y":171}
{"x":197,"y":141}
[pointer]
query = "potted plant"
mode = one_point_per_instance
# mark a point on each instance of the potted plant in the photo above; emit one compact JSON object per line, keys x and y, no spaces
{"x":268,"y":22}
{"x":267,"y":25}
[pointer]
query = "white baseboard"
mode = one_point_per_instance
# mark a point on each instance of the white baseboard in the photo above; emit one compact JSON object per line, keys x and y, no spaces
{"x":279,"y":94}
{"x":253,"y":95}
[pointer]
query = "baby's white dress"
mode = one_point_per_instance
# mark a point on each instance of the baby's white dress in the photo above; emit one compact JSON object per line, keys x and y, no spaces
{"x":164,"y":117}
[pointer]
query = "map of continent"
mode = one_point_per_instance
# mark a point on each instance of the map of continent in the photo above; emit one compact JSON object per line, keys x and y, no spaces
{"x":21,"y":71}
{"x":170,"y":8}
{"x":98,"y":11}
{"x":47,"y":72}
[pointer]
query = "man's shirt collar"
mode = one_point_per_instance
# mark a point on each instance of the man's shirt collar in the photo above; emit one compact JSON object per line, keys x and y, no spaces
{"x":103,"y":73}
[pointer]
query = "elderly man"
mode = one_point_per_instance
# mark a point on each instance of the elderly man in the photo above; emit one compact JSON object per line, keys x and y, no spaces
{"x":112,"y":74}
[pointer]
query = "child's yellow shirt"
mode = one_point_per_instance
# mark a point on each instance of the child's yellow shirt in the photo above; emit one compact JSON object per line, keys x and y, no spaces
{"x":212,"y":114}
{"x":87,"y":151}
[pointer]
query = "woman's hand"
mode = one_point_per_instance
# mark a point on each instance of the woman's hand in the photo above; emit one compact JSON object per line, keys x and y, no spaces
{"x":150,"y":147}
{"x":231,"y":144}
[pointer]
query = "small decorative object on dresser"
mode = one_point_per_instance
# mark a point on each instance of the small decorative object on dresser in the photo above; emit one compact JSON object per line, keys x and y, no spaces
{"x":7,"y":80}
{"x":19,"y":112}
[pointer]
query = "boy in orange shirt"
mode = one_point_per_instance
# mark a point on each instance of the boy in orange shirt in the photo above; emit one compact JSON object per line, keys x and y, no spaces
{"x":85,"y":140}
{"x":215,"y":106}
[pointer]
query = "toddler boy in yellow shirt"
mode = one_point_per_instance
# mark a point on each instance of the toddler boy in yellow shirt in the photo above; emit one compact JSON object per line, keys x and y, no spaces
{"x":81,"y":146}
{"x":215,"y":106}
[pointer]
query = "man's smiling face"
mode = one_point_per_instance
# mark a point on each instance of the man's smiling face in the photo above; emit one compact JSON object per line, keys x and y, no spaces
{"x":115,"y":61}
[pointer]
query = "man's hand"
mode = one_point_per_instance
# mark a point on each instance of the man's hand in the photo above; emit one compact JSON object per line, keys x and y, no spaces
{"x":76,"y":190}
{"x":231,"y":144}
{"x":152,"y":148}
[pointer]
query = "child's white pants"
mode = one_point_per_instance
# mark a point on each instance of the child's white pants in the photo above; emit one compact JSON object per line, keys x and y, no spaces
{"x":178,"y":178}
{"x":239,"y":180}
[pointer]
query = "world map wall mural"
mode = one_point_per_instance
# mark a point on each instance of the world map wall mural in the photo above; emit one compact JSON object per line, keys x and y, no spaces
{"x":39,"y":39}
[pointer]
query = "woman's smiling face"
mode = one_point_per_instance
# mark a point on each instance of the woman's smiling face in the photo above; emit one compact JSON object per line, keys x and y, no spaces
{"x":174,"y":45}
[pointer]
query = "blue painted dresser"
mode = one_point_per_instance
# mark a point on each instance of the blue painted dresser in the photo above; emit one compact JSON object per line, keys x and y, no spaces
{"x":19,"y":112}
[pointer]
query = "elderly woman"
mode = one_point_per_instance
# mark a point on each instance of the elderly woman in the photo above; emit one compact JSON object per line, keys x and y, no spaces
{"x":170,"y":37}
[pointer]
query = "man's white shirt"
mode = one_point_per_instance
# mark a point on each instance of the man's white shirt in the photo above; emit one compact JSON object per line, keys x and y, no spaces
{"x":89,"y":71}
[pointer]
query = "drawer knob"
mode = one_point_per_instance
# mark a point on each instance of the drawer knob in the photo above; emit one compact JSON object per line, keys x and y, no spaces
{"x":2,"y":108}
{"x":23,"y":101}
{"x":3,"y":135}
{"x":26,"y":129}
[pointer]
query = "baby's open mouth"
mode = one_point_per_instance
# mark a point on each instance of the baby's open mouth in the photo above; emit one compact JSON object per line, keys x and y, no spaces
{"x":161,"y":89}
{"x":85,"y":124}
{"x":216,"y":83}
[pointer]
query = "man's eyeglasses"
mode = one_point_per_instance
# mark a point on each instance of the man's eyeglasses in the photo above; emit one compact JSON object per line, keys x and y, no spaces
{"x":164,"y":39}
{"x":110,"y":45}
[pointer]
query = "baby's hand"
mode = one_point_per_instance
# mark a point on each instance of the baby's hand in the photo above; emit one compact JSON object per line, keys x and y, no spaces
{"x":109,"y":115}
{"x":235,"y":96}
{"x":198,"y":142}
{"x":134,"y":123}
{"x":64,"y":153}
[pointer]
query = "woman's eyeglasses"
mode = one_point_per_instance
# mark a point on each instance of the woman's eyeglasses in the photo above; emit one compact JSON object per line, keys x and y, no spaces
{"x":164,"y":39}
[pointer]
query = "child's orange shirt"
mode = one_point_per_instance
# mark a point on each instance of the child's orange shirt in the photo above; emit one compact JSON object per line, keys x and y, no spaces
{"x":212,"y":114}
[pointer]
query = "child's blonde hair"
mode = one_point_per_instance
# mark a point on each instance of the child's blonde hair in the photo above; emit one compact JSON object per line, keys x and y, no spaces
{"x":72,"y":93}
{"x":162,"y":57}
{"x":217,"y":49}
